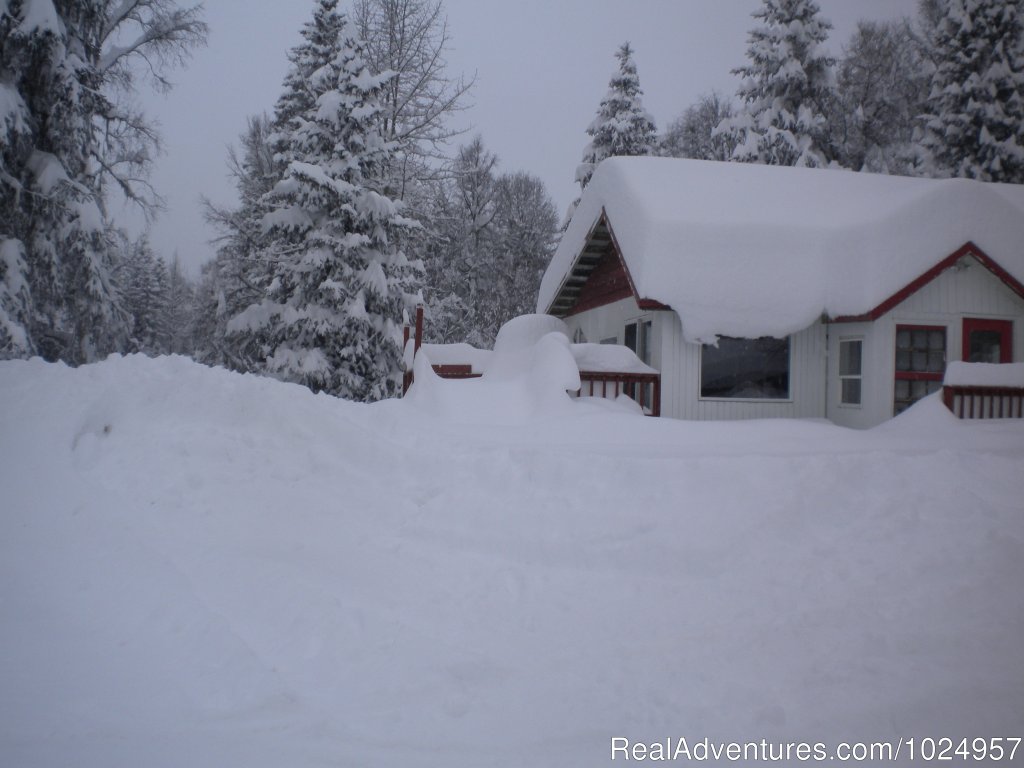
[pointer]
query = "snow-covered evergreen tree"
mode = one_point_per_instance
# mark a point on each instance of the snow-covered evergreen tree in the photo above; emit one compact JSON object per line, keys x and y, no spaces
{"x":242,"y":270}
{"x":176,"y":315}
{"x":142,"y":283}
{"x":494,"y":237}
{"x":68,"y":135}
{"x":332,"y":316}
{"x":622,"y":125}
{"x":974,"y":125}
{"x":882,"y":81}
{"x":786,"y":88}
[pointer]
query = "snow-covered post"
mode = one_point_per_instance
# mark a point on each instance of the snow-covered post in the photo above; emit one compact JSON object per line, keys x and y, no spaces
{"x":419,"y":329}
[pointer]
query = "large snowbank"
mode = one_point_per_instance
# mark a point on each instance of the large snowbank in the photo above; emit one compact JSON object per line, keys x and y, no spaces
{"x":527,"y":377}
{"x":203,"y":568}
{"x":751,"y":250}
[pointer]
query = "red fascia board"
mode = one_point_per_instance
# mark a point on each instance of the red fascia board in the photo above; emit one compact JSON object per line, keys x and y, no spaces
{"x":967,"y":249}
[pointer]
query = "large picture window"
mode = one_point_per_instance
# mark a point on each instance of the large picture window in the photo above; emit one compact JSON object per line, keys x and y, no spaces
{"x":745,"y":369}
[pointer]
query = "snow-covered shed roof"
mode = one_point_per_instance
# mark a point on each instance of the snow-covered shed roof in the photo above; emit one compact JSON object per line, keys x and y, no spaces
{"x":752,"y":250}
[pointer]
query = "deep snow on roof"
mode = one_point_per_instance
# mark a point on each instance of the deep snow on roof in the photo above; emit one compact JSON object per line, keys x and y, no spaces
{"x":752,"y":250}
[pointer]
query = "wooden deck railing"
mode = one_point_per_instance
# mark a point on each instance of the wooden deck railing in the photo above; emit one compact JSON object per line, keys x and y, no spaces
{"x":984,"y":402}
{"x":645,"y":388}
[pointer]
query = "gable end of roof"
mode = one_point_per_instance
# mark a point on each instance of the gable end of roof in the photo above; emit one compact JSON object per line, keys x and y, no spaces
{"x":599,"y":244}
{"x":968,"y":250}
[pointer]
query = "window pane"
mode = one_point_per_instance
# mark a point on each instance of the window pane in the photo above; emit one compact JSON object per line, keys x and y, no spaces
{"x":936,"y":340}
{"x":919,"y":361}
{"x":746,"y":368}
{"x":985,"y":347}
{"x":631,"y":336}
{"x":644,"y":352}
{"x":902,"y":389}
{"x":849,"y":358}
{"x":903,"y":340}
{"x":902,"y":361}
{"x":851,"y":391}
{"x":936,"y":361}
{"x":920,"y":339}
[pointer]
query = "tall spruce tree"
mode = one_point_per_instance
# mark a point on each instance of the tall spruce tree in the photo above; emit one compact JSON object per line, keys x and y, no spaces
{"x":974,"y":125}
{"x":622,"y":125}
{"x":331,"y":318}
{"x":786,"y":88}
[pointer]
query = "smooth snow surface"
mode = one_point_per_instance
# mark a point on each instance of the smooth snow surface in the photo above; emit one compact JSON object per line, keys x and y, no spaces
{"x":740,"y":249}
{"x":199,"y":568}
{"x":608,"y":358}
{"x":960,"y":374}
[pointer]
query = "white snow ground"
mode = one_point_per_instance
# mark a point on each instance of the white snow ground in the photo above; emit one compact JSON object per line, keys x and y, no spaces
{"x":199,"y":568}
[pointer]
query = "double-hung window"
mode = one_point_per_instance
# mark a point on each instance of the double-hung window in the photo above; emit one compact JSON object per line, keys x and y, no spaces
{"x":850,"y":371}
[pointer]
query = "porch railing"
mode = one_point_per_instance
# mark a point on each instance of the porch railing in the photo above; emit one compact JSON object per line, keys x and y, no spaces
{"x":977,"y":402}
{"x":644,"y":388}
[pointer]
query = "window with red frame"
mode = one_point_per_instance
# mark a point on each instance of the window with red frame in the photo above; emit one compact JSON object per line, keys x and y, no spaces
{"x":920,"y":363}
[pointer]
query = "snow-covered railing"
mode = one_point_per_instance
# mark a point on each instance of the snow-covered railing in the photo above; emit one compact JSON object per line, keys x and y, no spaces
{"x":984,"y":390}
{"x":644,"y":388}
{"x":610,"y":370}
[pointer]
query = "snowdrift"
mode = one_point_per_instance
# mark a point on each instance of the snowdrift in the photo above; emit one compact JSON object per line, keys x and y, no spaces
{"x":203,"y":568}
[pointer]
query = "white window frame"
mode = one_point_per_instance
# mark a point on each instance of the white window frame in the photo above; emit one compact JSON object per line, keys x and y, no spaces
{"x":849,"y":376}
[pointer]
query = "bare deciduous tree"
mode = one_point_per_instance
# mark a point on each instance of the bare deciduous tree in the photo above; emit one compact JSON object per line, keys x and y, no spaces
{"x":411,"y":39}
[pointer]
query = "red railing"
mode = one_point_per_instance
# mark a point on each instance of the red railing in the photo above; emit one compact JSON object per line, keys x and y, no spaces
{"x":645,"y":388}
{"x":984,"y":402}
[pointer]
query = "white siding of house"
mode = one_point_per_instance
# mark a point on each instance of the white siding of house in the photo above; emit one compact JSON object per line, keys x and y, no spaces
{"x":967,"y":290}
{"x":680,"y":372}
{"x":603,"y":322}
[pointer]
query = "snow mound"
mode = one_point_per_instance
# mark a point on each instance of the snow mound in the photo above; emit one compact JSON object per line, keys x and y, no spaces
{"x":527,"y":377}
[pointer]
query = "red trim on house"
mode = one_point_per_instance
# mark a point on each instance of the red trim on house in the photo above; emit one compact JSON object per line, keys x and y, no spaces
{"x":920,"y":375}
{"x":967,"y":249}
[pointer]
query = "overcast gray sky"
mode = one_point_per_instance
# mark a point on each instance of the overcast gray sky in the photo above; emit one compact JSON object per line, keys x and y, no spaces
{"x":542,"y":67}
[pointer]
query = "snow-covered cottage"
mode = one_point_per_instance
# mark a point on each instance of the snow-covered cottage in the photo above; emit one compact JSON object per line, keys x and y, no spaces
{"x":760,"y":292}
